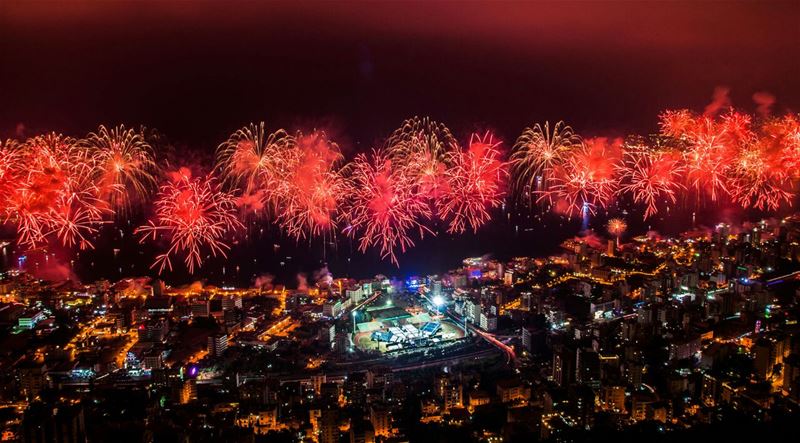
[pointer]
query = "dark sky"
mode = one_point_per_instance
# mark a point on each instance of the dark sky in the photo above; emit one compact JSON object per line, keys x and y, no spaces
{"x":197,"y":71}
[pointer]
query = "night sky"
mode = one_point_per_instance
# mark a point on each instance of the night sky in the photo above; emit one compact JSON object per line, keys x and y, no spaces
{"x":197,"y":71}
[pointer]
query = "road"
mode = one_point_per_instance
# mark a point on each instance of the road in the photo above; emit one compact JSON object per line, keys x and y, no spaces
{"x":511,"y":356}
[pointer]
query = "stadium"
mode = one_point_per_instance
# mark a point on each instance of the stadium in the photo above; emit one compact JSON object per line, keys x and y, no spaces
{"x":393,"y":329}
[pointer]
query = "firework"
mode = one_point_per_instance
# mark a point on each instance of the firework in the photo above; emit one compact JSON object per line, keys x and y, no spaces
{"x":385,"y":208}
{"x":538,"y":152}
{"x":54,"y":193}
{"x":314,"y":187}
{"x":421,"y":147}
{"x":650,"y":176}
{"x":783,"y":135}
{"x":124,"y":163}
{"x":756,"y":178}
{"x":587,"y":180}
{"x":475,"y":184}
{"x":257,"y":163}
{"x":194,"y":215}
{"x":9,"y":171}
{"x":617,"y":227}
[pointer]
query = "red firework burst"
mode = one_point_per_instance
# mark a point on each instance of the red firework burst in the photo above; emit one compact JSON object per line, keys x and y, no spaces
{"x":587,"y":179}
{"x":757,"y":178}
{"x":54,"y":193}
{"x":475,"y":184}
{"x":314,"y":188}
{"x":257,"y":163}
{"x":385,"y":208}
{"x":194,"y":214}
{"x":650,"y":176}
{"x":421,"y":148}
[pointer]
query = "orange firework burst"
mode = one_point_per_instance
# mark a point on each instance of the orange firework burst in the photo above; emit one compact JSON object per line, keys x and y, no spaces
{"x":194,"y":214}
{"x":124,"y":162}
{"x":538,"y":152}
{"x":617,"y":227}
{"x":475,"y":184}
{"x":421,"y":147}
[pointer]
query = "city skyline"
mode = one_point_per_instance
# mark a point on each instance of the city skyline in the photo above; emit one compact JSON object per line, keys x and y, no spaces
{"x":406,"y":221}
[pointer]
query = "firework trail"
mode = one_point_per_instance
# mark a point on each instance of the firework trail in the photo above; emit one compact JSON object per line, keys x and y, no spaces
{"x":537,"y":153}
{"x":385,"y":208}
{"x":475,"y":184}
{"x":194,"y":215}
{"x":124,"y":163}
{"x":708,"y":150}
{"x":784,"y":136}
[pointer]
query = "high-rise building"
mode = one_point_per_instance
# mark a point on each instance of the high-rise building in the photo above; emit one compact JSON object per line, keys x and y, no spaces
{"x":768,"y":352}
{"x":217,"y":344}
{"x":155,"y":330}
{"x":488,"y":322}
{"x":361,"y":432}
{"x":188,"y":391}
{"x":201,"y":308}
{"x":380,"y":419}
{"x":329,"y":425}
{"x":588,"y":367}
{"x":564,"y":366}
{"x":612,"y":398}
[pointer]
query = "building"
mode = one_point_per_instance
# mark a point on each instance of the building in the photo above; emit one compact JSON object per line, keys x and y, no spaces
{"x":380,"y":418}
{"x":355,"y":294}
{"x":684,"y":349}
{"x":508,"y":277}
{"x":217,"y":344}
{"x":329,"y":425}
{"x":512,"y":391}
{"x":30,"y":319}
{"x":201,"y":308}
{"x":361,"y":432}
{"x":332,"y":308}
{"x":588,"y":367}
{"x":488,"y":322}
{"x":231,"y":302}
{"x":767,"y":352}
{"x":564,"y":366}
{"x":188,"y":391}
{"x":62,"y":423}
{"x":155,"y":330}
{"x":612,"y":398}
